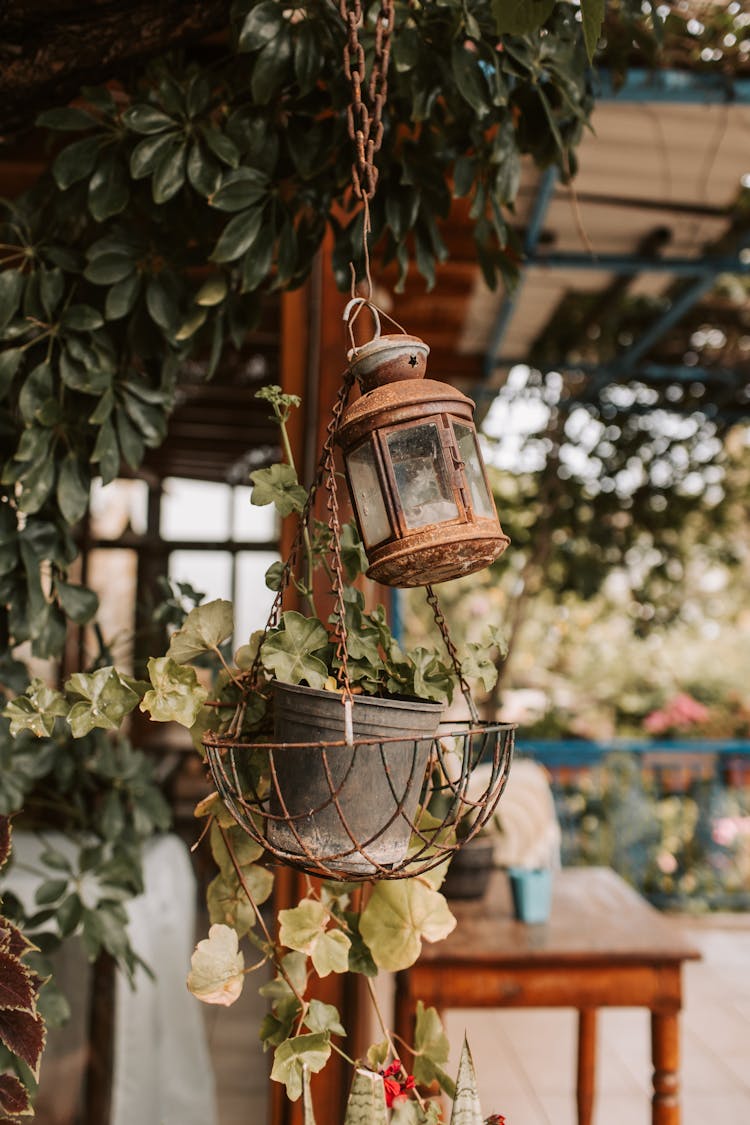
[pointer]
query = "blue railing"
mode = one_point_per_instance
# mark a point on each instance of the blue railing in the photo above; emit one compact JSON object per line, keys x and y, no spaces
{"x":672,"y":817}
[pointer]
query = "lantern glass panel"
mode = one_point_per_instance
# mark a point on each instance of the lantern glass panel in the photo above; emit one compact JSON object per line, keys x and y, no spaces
{"x":421,"y":475}
{"x":468,"y":448}
{"x":367,"y":495}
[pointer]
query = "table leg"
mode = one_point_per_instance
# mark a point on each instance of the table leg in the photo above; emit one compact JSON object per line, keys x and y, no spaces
{"x":665,"y":1053}
{"x":585,"y":1081}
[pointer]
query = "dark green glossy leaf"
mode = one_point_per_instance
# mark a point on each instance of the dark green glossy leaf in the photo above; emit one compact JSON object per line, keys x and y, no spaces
{"x":272,"y":68}
{"x":81,"y":318}
{"x":202,"y":170}
{"x":169,"y":175}
{"x":240,"y":190}
{"x":51,"y":285}
{"x":256,"y":264}
{"x":89,"y":380}
{"x":221,"y":146}
{"x":103,"y":408}
{"x":308,"y":60}
{"x":37,"y":483}
{"x":161,"y":305}
{"x":469,"y":78}
{"x":592,"y":12}
{"x":67,"y":120}
{"x":76,"y":162}
{"x":109,"y":189}
{"x":238,"y":235}
{"x":77,"y":602}
{"x":122,"y":296}
{"x":37,"y":389}
{"x":50,"y":634}
{"x":10,"y":361}
{"x":106,"y":452}
{"x":261,"y":26}
{"x":520,"y":17}
{"x":11,"y":288}
{"x":109,"y":268}
{"x":72,"y":489}
{"x":146,"y":119}
{"x":131,"y":442}
{"x":148,"y":152}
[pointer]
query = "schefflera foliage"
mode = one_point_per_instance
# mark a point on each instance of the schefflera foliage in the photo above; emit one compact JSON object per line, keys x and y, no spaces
{"x":174,"y":202}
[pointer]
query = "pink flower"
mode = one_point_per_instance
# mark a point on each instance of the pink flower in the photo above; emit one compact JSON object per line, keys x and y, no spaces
{"x":726,"y":829}
{"x":681,"y":713}
{"x":666,"y":862}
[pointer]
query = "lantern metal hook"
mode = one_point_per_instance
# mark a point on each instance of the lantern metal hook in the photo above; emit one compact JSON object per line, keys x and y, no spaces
{"x":350,"y":317}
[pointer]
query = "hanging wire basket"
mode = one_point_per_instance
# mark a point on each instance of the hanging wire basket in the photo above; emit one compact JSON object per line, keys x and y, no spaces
{"x":387,"y":808}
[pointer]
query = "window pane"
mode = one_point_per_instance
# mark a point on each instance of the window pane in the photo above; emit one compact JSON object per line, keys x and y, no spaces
{"x":468,"y":447}
{"x":116,"y":506}
{"x":251,"y":523}
{"x":112,"y":573}
{"x":253,"y":599}
{"x":421,"y":476}
{"x":368,"y":499}
{"x":210,"y":572}
{"x":195,"y":509}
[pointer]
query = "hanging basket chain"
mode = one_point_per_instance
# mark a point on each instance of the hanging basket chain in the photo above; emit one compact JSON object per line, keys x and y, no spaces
{"x":442,"y":625}
{"x":366,"y":121}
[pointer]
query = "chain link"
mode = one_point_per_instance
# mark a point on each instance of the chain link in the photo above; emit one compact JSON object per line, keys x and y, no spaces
{"x":442,"y":625}
{"x":365,"y":112}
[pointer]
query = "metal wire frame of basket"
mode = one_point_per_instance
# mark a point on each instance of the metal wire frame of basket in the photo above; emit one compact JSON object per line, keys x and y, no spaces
{"x":383,"y":833}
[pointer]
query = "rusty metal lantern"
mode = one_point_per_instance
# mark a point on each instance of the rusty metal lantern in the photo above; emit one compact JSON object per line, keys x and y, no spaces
{"x":414,"y":468}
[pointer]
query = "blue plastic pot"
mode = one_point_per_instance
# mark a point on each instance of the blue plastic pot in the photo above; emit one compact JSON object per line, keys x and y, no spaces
{"x":532,"y":893}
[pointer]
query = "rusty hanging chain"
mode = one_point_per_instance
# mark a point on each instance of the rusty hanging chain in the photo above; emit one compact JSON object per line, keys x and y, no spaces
{"x":442,"y":625}
{"x":365,"y":111}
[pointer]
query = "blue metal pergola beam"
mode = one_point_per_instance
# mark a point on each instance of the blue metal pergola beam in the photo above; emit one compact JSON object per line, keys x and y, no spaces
{"x":674,"y":87}
{"x":625,"y":264}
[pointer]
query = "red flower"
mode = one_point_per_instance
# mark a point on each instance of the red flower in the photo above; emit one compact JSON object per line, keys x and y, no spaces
{"x":396,"y":1081}
{"x":495,"y":1119}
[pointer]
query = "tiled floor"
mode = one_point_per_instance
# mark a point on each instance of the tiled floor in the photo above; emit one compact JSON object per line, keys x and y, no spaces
{"x":525,"y":1059}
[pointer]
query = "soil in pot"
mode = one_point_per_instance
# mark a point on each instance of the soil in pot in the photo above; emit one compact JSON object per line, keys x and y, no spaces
{"x":343,"y":801}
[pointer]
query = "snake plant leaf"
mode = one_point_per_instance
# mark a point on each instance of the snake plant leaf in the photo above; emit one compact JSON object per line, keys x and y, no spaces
{"x":308,"y":1114}
{"x":291,"y":1056}
{"x":36,"y":710}
{"x":323,"y":1017}
{"x":466,"y":1107}
{"x":366,"y":1104}
{"x":176,"y":696}
{"x":294,"y":652}
{"x":106,"y":698}
{"x":278,"y":485}
{"x":398,"y":917}
{"x":205,"y":628}
{"x":431,"y":1050}
{"x":217,"y":967}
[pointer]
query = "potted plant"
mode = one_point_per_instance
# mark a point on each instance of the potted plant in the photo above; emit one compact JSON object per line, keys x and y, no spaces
{"x":234,"y":718}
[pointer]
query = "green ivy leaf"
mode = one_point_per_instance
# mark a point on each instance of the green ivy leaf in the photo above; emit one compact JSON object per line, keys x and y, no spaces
{"x":228,"y":904}
{"x":176,"y":696}
{"x":106,"y":700}
{"x":205,"y":628}
{"x":323,"y":1017}
{"x":217,"y":967}
{"x":36,"y":710}
{"x":278,"y":485}
{"x":400,"y":915}
{"x":431,"y":1049}
{"x":290,"y":653}
{"x":291,"y":1056}
{"x":304,"y":928}
{"x":246,"y":850}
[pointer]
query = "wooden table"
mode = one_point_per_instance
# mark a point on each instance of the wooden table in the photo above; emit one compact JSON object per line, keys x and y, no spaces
{"x":603,"y":946}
